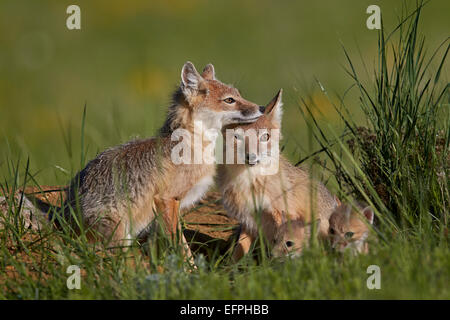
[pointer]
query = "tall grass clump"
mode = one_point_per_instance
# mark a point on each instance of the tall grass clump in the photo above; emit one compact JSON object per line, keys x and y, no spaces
{"x":399,"y":158}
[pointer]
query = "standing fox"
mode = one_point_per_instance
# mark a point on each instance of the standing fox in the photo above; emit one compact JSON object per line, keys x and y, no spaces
{"x":252,"y":196}
{"x":118,"y":192}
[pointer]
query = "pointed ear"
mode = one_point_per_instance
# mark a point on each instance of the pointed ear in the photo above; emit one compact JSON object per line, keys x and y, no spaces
{"x":191,"y":80}
{"x":208,"y":72}
{"x":368,"y":213}
{"x":274,"y":109}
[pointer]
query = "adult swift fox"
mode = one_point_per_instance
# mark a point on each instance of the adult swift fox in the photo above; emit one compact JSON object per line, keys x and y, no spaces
{"x":119,"y":191}
{"x":256,"y":198}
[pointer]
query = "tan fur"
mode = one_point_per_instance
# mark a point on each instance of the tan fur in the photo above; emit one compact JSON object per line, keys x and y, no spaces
{"x":119,"y":192}
{"x":347,"y":220}
{"x":244,"y":243}
{"x":292,"y":237}
{"x":257,"y":200}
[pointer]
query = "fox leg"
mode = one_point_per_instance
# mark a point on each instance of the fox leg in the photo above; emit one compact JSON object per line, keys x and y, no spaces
{"x":243,"y":246}
{"x":187,"y":250}
{"x":169,"y":210}
{"x":171,"y":215}
{"x":174,"y":206}
{"x":109,"y":229}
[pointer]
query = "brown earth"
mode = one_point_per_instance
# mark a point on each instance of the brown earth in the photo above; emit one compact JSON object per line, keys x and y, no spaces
{"x":206,"y":227}
{"x":206,"y":222}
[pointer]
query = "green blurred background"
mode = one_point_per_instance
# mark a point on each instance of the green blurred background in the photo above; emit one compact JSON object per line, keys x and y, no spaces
{"x":125,"y":62}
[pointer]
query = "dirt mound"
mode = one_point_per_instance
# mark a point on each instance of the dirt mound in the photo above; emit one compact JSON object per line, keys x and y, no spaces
{"x":207,"y":220}
{"x":206,"y":227}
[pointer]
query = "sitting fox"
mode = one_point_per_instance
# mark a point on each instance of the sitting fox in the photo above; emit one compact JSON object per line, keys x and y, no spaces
{"x":119,"y":191}
{"x":349,"y":228}
{"x":257,"y":197}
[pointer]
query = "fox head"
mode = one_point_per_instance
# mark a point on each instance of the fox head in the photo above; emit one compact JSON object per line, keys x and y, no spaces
{"x":348,"y":228}
{"x":256,"y":143}
{"x":292,"y":237}
{"x":203,"y":98}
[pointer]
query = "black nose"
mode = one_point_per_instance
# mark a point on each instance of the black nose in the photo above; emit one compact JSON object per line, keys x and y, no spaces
{"x":251,"y":159}
{"x":262,"y":108}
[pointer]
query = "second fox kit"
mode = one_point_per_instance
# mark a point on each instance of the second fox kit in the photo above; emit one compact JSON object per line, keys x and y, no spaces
{"x":269,"y":199}
{"x":118,"y":192}
{"x":348,"y":230}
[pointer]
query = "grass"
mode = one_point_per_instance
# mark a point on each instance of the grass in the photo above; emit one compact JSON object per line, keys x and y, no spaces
{"x":397,"y":160}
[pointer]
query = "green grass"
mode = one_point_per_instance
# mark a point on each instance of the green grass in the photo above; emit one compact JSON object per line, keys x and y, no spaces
{"x":126,"y":61}
{"x":396,"y":159}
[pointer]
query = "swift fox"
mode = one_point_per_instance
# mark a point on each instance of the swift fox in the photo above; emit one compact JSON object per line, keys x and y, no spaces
{"x":348,"y":230}
{"x":254,"y":197}
{"x":291,"y":237}
{"x":118,"y":192}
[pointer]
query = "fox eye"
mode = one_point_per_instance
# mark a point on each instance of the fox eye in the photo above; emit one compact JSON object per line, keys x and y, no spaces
{"x":229,"y":100}
{"x":349,"y":235}
{"x":289,"y":243}
{"x":264,"y":138}
{"x":332,"y":231}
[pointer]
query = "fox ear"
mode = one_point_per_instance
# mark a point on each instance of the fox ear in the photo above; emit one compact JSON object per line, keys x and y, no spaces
{"x":274,"y":109}
{"x":368,"y":213}
{"x":208,"y":72}
{"x":190,"y":80}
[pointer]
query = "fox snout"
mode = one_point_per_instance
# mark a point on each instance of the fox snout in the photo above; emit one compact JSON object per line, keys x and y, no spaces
{"x":248,"y":113}
{"x":340,"y":245}
{"x":343,"y":246}
{"x":251,"y":159}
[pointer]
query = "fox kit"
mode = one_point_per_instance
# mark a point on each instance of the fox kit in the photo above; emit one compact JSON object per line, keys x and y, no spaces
{"x":348,"y":230}
{"x":118,"y":192}
{"x":255,"y":197}
{"x":291,"y":237}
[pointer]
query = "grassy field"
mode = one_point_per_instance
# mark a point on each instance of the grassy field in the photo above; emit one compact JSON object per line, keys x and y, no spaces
{"x":126,"y":60}
{"x":385,"y":140}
